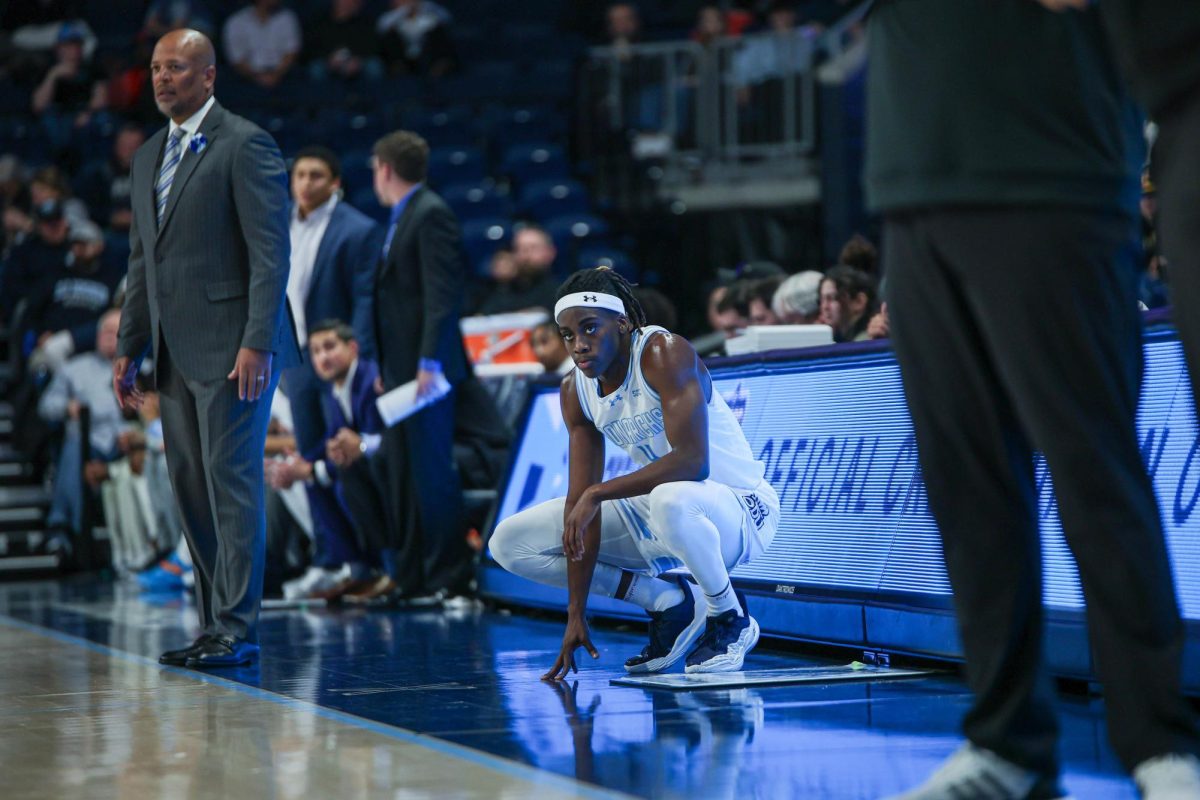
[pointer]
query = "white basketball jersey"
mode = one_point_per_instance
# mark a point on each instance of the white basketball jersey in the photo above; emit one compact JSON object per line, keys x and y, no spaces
{"x":632,"y":419}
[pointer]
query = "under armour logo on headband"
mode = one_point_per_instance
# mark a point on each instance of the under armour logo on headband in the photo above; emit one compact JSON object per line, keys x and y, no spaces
{"x":595,"y":300}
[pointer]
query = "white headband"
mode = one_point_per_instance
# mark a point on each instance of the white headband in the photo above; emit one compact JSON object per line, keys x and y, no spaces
{"x":589,"y":299}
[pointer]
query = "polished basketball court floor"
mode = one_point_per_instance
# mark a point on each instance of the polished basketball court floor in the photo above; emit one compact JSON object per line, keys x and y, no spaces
{"x":350,"y":704}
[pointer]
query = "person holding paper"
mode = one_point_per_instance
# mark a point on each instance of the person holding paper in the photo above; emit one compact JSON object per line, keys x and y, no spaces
{"x":419,"y":287}
{"x":698,"y":498}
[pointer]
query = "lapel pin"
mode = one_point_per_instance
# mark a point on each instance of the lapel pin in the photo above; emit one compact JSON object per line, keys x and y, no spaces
{"x":198,"y":143}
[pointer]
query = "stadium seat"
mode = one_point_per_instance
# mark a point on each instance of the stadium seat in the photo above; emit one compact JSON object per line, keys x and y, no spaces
{"x":526,"y":163}
{"x":503,"y":127}
{"x":456,"y":165}
{"x":611,"y":257}
{"x":544,"y":200}
{"x":472,"y":201}
{"x":546,"y":81}
{"x":483,"y":237}
{"x":442,"y":128}
{"x":571,"y":232}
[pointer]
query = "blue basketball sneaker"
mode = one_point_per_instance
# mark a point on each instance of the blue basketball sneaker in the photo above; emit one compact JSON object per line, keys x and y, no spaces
{"x":672,"y":632}
{"x":168,"y":575}
{"x":728,"y":638}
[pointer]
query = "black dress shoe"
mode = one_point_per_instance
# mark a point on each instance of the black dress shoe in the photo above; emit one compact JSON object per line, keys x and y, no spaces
{"x":178,"y":658}
{"x":223,"y":651}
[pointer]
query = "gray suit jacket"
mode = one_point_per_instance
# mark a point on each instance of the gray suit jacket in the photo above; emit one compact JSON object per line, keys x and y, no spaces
{"x":213,"y":277}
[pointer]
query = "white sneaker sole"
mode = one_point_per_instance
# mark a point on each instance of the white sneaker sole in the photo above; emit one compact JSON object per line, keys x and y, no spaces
{"x":683,"y":642}
{"x":732,"y":659}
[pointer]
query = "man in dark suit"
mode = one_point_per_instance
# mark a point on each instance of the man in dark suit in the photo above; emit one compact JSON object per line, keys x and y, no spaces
{"x":352,"y":429}
{"x":206,"y":295}
{"x":334,"y":252}
{"x":419,"y":290}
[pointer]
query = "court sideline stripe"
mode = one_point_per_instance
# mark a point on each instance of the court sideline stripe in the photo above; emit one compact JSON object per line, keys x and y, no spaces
{"x":462,"y":752}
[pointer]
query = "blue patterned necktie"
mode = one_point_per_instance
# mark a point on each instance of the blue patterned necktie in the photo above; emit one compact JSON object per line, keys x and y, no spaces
{"x":162,"y":187}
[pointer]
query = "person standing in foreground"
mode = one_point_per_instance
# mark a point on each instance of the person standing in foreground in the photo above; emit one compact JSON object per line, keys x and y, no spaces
{"x":697,"y":500}
{"x":208,"y":269}
{"x":419,"y":288}
{"x":1035,"y":344}
{"x":1158,"y":45}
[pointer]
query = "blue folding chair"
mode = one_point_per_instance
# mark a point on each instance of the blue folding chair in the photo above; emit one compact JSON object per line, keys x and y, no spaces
{"x":543,"y":200}
{"x":456,"y":165}
{"x":472,"y":201}
{"x":483,"y":237}
{"x":526,"y":163}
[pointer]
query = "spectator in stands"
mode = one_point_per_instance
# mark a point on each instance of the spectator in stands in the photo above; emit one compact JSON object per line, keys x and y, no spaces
{"x":783,"y":50}
{"x":858,"y":252}
{"x":502,"y":269}
{"x":72,"y":92}
{"x":759,"y":296}
{"x":68,"y":292}
{"x":352,"y":428}
{"x":84,"y":381}
{"x":534,"y":285}
{"x":164,"y":16}
{"x":549,"y":349}
{"x":880,"y":326}
{"x":35,"y":254}
{"x":624,"y":25}
{"x":414,"y":39}
{"x":36,"y":24}
{"x":723,"y":315}
{"x":14,"y":202}
{"x":797,"y":301}
{"x":49,"y":183}
{"x":105,"y":185}
{"x":710,"y":25}
{"x":848,"y":301}
{"x":262,"y":42}
{"x":343,"y":43}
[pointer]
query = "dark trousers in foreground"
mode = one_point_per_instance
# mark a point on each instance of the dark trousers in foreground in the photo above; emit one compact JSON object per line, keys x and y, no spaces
{"x":214,"y":447}
{"x":407,"y":498}
{"x":1018,"y":329}
{"x":1176,"y":167}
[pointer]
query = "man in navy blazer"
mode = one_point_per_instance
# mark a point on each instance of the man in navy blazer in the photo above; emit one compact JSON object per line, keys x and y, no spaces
{"x":334,"y":251}
{"x":352,"y":428}
{"x":335,"y":248}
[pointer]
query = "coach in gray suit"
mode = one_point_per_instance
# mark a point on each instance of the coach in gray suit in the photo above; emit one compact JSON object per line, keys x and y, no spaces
{"x":208,"y":269}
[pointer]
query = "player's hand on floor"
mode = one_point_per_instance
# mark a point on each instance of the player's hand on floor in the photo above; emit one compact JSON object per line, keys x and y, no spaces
{"x":576,"y":635}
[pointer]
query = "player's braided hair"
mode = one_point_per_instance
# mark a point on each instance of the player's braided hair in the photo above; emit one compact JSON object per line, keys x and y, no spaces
{"x":603,"y":279}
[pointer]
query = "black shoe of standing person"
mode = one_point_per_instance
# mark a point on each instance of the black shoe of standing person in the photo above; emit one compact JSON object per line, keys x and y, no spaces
{"x":223,"y":651}
{"x":178,"y":658}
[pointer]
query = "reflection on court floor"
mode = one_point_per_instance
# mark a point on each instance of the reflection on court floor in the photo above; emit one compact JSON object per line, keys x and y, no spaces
{"x":377,"y":704}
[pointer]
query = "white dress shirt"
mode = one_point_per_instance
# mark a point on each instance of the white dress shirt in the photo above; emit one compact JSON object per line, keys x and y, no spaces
{"x":261,"y":45}
{"x":370,"y":441}
{"x":306,"y":235}
{"x":192,"y":124}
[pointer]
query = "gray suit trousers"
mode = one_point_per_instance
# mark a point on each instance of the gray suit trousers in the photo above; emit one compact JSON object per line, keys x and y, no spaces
{"x":214,"y":444}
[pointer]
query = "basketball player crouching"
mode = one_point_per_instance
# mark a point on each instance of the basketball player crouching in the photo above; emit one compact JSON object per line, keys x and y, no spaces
{"x":697,"y":500}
